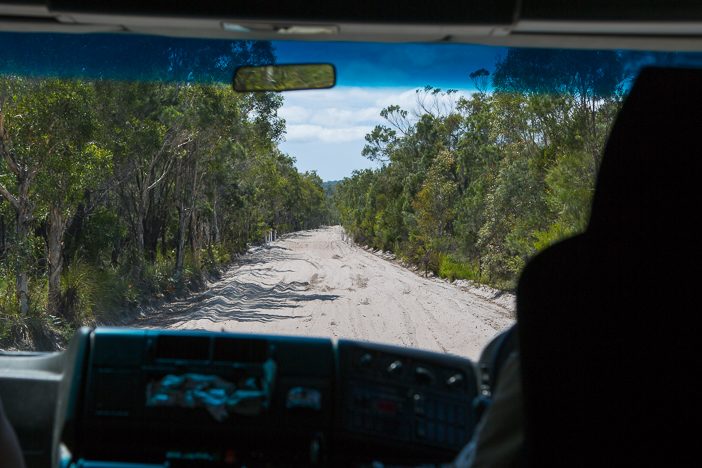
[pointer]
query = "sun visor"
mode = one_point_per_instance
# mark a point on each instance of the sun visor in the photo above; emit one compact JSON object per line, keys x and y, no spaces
{"x":390,"y":11}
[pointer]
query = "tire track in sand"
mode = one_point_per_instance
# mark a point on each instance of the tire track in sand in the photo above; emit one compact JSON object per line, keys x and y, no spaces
{"x":318,"y":283}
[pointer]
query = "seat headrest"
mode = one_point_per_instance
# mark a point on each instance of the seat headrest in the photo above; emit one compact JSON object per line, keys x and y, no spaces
{"x":650,"y":182}
{"x":609,"y":317}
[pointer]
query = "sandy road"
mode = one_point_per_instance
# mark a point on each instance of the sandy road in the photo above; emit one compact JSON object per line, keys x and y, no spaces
{"x":316,"y":283}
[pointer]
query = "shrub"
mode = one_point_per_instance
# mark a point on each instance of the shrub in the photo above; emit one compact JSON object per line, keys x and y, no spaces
{"x":554,"y":234}
{"x":35,"y":330}
{"x":158,"y":277}
{"x":79,"y":293}
{"x":113,"y":290}
{"x":8,"y":301}
{"x":452,"y":269}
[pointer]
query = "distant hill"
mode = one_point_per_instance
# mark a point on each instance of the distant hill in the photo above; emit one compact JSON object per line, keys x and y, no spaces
{"x":329,"y":186}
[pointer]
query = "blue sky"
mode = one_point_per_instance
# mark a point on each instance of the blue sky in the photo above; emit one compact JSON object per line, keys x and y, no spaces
{"x":394,"y":65}
{"x":326,"y":128}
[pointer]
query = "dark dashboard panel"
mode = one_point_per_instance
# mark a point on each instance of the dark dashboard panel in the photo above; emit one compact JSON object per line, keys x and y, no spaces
{"x":393,"y":398}
{"x":189,"y":398}
{"x":119,"y":423}
{"x":606,"y":10}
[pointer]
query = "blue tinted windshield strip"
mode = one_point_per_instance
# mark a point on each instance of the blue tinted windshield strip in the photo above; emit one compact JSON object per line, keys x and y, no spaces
{"x":128,"y":57}
{"x":447,"y":66}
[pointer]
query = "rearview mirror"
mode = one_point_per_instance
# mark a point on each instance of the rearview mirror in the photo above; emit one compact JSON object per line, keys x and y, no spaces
{"x":284,"y":77}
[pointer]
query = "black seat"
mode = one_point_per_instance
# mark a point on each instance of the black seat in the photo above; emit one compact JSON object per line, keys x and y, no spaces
{"x":609,"y":320}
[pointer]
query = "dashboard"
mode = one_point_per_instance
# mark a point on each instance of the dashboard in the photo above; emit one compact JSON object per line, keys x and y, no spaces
{"x":189,"y":398}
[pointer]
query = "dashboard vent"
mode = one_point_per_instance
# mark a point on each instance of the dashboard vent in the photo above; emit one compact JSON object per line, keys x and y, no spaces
{"x":240,"y":350}
{"x":183,"y":347}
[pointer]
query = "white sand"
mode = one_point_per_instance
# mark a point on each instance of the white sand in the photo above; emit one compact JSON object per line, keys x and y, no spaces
{"x":318,"y":283}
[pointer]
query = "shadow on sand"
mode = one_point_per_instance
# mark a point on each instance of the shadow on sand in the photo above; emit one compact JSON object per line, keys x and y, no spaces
{"x":238,"y":301}
{"x":232,"y":299}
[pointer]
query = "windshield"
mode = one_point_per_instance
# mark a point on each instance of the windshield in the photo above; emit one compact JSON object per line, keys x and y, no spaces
{"x":137,"y":188}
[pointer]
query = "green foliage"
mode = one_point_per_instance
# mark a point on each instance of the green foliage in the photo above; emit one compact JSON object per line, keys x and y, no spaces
{"x":112,"y":193}
{"x":79,"y":292}
{"x":37,"y":329}
{"x":452,"y":269}
{"x":571,"y":183}
{"x":8,"y":303}
{"x":158,"y":278}
{"x":130,"y":191}
{"x":113,"y":291}
{"x":555,"y":233}
{"x":434,"y":204}
{"x":473,"y":187}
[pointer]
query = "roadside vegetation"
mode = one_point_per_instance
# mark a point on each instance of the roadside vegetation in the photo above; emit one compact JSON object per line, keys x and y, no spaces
{"x":113,"y":193}
{"x":472,"y":187}
{"x":116,"y":193}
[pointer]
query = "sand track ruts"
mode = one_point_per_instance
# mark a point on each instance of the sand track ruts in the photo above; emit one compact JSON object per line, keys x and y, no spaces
{"x":317,"y":283}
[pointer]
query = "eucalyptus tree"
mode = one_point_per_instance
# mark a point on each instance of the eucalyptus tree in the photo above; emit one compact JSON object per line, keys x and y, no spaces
{"x":50,"y":159}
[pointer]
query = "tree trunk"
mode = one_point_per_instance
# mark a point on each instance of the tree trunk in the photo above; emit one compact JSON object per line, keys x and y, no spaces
{"x":2,"y":236}
{"x":182,"y":219}
{"x":193,"y":238}
{"x":24,"y":221}
{"x":21,"y":277}
{"x":180,"y":246}
{"x":164,"y":246}
{"x":55,"y":230}
{"x":23,"y":210}
{"x":73,"y":231}
{"x":139,"y":226}
{"x":215,"y":223}
{"x":193,"y":218}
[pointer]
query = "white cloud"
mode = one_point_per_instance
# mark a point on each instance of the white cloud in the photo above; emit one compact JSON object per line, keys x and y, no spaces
{"x":343,"y":112}
{"x":294,"y":113}
{"x":326,"y":128}
{"x":406,"y":99}
{"x":311,"y":133}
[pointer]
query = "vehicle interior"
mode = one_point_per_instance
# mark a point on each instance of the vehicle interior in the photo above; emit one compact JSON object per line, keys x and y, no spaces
{"x":604,"y":381}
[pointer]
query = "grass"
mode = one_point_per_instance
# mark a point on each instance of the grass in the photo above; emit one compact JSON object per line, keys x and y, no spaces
{"x":93,"y":294}
{"x":452,"y":269}
{"x":79,"y":292}
{"x":157,"y":277}
{"x":36,"y":330}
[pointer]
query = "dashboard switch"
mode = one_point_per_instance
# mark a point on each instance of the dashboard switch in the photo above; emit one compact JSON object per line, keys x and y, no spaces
{"x":419,"y":407}
{"x":395,"y":367}
{"x":423,"y":376}
{"x":455,"y":381}
{"x":421,"y":429}
{"x":306,"y":398}
{"x":365,"y":360}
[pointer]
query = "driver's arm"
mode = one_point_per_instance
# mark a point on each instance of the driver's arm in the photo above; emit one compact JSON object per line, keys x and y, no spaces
{"x":499,"y":436}
{"x":10,"y":452}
